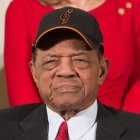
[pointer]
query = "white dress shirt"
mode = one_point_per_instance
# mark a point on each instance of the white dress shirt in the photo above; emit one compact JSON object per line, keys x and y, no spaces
{"x":80,"y":127}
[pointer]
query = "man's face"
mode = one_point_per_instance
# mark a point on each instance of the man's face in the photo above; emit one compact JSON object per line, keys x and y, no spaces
{"x":68,"y":75}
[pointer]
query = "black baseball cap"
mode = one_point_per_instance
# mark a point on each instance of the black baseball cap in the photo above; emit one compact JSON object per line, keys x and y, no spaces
{"x":73,"y":19}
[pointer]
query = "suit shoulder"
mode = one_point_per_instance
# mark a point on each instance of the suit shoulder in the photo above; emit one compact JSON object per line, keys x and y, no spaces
{"x":17,"y":113}
{"x":128,"y":119}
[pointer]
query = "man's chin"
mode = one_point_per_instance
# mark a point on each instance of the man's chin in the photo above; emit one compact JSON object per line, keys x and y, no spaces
{"x":65,"y":105}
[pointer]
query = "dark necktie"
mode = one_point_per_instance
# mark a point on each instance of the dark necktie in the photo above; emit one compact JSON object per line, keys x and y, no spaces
{"x":62,"y":132}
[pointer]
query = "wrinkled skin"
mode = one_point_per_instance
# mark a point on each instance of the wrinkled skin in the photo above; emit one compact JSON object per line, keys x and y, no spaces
{"x":68,"y":75}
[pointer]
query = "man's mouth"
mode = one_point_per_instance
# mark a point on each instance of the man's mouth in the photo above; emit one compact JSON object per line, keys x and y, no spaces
{"x":67,"y":88}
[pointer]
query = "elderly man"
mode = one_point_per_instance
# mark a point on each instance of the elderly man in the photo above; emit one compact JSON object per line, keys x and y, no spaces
{"x":67,"y":67}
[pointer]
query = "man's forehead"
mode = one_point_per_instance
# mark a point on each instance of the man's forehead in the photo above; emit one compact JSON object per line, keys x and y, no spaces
{"x":59,"y":54}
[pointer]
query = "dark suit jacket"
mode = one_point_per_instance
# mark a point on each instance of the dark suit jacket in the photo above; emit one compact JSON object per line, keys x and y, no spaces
{"x":29,"y":122}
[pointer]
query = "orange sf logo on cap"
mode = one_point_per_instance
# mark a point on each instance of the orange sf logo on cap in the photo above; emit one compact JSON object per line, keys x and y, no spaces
{"x":65,"y":16}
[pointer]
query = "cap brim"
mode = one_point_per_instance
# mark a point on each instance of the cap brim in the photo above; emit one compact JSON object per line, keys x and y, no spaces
{"x":92,"y":44}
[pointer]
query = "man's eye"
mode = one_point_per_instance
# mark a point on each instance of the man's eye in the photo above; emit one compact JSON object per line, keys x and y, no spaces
{"x":50,"y":64}
{"x":80,"y":63}
{"x":82,"y":60}
{"x":50,"y":61}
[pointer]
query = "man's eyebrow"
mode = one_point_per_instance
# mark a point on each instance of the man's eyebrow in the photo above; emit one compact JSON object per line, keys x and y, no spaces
{"x":59,"y":55}
{"x":81,"y":53}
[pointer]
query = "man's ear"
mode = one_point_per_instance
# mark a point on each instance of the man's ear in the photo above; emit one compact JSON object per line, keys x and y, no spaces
{"x":33,"y":71}
{"x":103,"y":69}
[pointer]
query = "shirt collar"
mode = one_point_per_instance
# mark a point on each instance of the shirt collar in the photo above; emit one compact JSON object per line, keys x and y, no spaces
{"x":81,"y":122}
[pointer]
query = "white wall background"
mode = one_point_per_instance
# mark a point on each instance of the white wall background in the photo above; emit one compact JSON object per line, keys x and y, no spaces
{"x":3,"y":96}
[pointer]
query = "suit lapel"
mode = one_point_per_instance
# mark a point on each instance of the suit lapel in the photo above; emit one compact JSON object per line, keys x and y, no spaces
{"x":108,"y":128}
{"x":35,"y":126}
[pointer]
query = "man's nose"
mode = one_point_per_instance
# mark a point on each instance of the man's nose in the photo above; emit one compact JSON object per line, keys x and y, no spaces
{"x":65,"y":68}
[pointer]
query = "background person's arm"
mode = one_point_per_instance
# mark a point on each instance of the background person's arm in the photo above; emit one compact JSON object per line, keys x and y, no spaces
{"x":132,"y":98}
{"x":20,"y":86}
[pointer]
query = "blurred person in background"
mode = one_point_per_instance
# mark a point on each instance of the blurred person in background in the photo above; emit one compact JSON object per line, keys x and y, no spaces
{"x":120,"y":23}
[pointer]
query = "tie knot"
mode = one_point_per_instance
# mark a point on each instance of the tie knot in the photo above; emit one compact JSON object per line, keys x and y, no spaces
{"x":63,"y":132}
{"x":63,"y":127}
